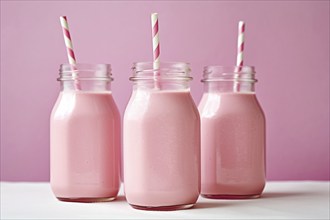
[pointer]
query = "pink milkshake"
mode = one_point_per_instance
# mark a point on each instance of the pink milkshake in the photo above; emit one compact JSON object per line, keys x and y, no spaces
{"x":85,"y":138}
{"x":161,"y":141}
{"x":233,"y":135}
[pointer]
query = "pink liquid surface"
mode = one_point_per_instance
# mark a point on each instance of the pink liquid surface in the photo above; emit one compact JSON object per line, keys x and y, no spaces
{"x":161,"y":149}
{"x":85,"y":146}
{"x":233,"y":145}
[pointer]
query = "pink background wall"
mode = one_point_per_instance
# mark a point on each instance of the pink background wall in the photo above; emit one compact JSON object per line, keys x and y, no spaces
{"x":288,"y":42}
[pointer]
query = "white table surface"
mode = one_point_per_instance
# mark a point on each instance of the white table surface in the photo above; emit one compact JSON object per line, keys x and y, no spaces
{"x":280,"y":200}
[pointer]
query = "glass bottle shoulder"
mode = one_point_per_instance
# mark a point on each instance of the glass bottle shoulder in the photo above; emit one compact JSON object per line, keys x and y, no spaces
{"x":215,"y":104}
{"x":146,"y":103}
{"x":80,"y":103}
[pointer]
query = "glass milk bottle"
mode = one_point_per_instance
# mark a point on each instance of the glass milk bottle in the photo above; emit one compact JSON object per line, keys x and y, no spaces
{"x":161,"y":139}
{"x":233,"y":134}
{"x":85,"y":136}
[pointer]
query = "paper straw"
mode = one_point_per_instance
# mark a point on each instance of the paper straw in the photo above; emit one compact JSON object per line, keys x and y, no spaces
{"x":240,"y":53}
{"x":240,"y":44}
{"x":69,"y":47}
{"x":155,"y":46}
{"x":67,"y":40}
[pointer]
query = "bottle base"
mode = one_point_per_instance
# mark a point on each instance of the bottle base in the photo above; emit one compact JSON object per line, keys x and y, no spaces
{"x":87,"y":200}
{"x":163,"y":208}
{"x":224,"y":196}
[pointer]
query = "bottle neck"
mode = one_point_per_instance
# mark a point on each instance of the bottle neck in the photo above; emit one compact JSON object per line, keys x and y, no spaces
{"x":167,"y":76}
{"x":85,"y":77}
{"x":86,"y":86}
{"x":229,"y":79}
{"x":229,"y":87}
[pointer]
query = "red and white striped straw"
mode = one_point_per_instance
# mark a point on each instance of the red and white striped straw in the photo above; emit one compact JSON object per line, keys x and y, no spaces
{"x":155,"y":38}
{"x":69,"y":47}
{"x":240,"y":44}
{"x":67,"y":40}
{"x":155,"y":46}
